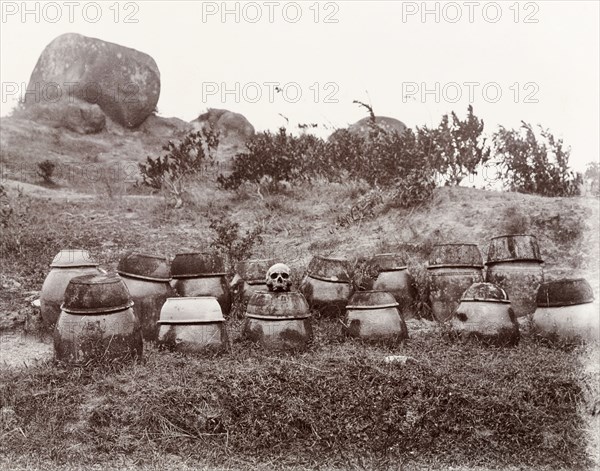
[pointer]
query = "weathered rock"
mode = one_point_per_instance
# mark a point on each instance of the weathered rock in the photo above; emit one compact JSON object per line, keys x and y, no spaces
{"x":362,"y":127}
{"x":165,"y":127}
{"x":234,"y":127}
{"x":124,"y":82}
{"x":75,"y":115}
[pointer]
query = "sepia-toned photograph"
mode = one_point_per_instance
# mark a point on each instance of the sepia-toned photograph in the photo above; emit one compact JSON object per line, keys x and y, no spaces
{"x":299,"y":235}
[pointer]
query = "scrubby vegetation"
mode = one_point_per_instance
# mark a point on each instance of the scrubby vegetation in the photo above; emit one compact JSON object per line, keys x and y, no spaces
{"x":535,"y":165}
{"x":183,"y":160}
{"x":46,"y":171}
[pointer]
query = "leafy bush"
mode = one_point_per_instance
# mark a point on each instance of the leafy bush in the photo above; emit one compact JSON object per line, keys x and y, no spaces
{"x":458,"y":148}
{"x":46,"y":170}
{"x":280,"y":156}
{"x":532,"y":165}
{"x":382,"y":159}
{"x":182,"y":161}
{"x":230,"y":244}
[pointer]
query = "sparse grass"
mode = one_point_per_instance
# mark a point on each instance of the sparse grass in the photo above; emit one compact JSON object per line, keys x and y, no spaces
{"x":336,"y":406}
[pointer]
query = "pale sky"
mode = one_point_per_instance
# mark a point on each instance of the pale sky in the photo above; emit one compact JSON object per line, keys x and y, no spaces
{"x":531,"y":61}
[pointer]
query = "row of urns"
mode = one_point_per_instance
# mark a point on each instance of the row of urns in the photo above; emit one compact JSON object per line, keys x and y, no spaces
{"x":514,"y":263}
{"x":512,"y":260}
{"x":98,"y":321}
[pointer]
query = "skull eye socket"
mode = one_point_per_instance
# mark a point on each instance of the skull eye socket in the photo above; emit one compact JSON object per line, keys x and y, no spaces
{"x":285,"y":276}
{"x":274,"y":275}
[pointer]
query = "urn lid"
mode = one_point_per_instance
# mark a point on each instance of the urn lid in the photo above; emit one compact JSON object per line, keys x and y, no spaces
{"x":197,"y":264}
{"x":254,"y":271}
{"x":73,"y":258}
{"x":330,"y":269}
{"x":282,"y":305}
{"x":486,"y":292}
{"x":514,"y":248}
{"x":388,"y":262}
{"x":565,"y":292}
{"x":145,"y":267}
{"x":96,"y":294}
{"x":455,"y":255}
{"x":192,"y":310}
{"x":372,"y":300}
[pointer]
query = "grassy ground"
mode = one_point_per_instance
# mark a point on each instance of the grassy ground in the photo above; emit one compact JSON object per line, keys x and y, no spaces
{"x":337,"y":406}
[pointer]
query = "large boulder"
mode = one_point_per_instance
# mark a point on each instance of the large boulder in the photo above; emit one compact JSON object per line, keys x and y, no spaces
{"x":363,"y":126}
{"x":125,"y":83}
{"x":75,"y":115}
{"x":234,"y":128}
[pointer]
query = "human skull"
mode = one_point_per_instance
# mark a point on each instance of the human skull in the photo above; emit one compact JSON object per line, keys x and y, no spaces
{"x":278,"y":278}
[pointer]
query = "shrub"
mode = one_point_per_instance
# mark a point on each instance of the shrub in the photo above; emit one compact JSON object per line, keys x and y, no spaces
{"x":457,"y":148}
{"x":46,"y":170}
{"x":280,"y":157}
{"x":532,"y":165}
{"x":230,"y":244}
{"x":182,"y":161}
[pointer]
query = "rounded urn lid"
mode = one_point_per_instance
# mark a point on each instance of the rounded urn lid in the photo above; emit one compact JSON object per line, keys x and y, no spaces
{"x":96,"y":294}
{"x":565,"y":292}
{"x":330,"y":269}
{"x":192,"y":310}
{"x":145,"y":267}
{"x":268,"y":305}
{"x":197,"y":264}
{"x":487,"y":292}
{"x":455,"y":255}
{"x":72,"y":258}
{"x":372,"y":300}
{"x":514,"y":248}
{"x":388,"y":262}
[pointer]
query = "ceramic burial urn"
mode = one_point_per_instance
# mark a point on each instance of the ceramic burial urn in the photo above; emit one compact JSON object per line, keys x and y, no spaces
{"x":97,"y":322}
{"x":485,"y":314}
{"x":147,"y":277}
{"x":566,"y":309}
{"x":327,"y":285}
{"x":514,"y":263}
{"x":250,"y":276}
{"x":67,"y":264}
{"x":394,"y":278}
{"x":192,"y":325}
{"x":278,"y":320}
{"x":452,"y":269}
{"x":201,"y":274}
{"x":374,"y":315}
